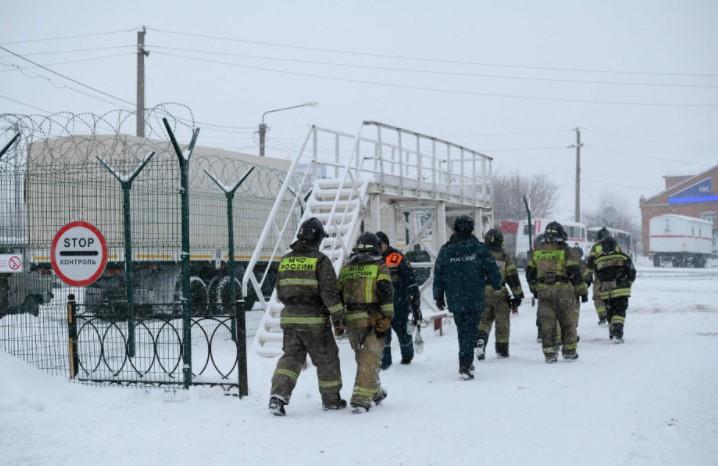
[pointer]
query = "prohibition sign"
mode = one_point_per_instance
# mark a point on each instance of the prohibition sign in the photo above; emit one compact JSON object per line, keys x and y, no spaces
{"x":78,"y":253}
{"x":14,"y":263}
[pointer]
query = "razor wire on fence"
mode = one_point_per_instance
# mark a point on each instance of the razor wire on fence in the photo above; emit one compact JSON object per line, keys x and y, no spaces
{"x":130,"y":325}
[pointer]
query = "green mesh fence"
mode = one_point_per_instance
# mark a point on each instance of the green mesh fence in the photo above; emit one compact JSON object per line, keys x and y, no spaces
{"x":131,"y":331}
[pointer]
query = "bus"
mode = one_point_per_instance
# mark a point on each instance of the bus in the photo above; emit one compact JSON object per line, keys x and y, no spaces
{"x":623,"y":238}
{"x":576,"y":232}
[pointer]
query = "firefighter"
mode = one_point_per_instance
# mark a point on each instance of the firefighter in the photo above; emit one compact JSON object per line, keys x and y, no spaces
{"x":614,"y":274}
{"x":554,"y":276}
{"x":367,"y":292}
{"x":307,"y":286}
{"x":406,"y":298}
{"x":462,"y":269}
{"x":590,"y":276}
{"x":499,"y":303}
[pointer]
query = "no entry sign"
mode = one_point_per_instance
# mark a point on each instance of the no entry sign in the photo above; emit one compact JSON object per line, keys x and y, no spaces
{"x":78,"y":253}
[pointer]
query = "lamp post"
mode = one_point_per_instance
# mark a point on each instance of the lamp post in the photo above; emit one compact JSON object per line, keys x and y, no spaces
{"x":263,"y":126}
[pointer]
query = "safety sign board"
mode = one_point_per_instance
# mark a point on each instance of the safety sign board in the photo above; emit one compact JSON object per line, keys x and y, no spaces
{"x":78,"y":253}
{"x":10,"y":263}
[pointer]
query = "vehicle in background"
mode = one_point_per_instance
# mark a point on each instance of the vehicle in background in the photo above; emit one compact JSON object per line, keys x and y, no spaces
{"x":623,"y":238}
{"x":576,"y":232}
{"x":679,"y":240}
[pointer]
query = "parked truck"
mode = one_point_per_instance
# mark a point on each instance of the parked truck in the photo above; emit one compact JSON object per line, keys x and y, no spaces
{"x":61,"y":180}
{"x":680,"y":241}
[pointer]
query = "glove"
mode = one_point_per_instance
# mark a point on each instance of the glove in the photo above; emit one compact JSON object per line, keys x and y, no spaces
{"x":339,"y":329}
{"x":514,"y":304}
{"x":416,"y":315}
{"x":382,"y":326}
{"x":440,"y":304}
{"x":584,"y":298}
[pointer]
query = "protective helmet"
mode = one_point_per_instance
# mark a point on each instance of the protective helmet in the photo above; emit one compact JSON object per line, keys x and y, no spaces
{"x":368,"y":243}
{"x":382,"y":237}
{"x":555,"y":233}
{"x":603,"y":233}
{"x":464,"y":224}
{"x":609,"y":244}
{"x":312,"y":231}
{"x":494,"y":238}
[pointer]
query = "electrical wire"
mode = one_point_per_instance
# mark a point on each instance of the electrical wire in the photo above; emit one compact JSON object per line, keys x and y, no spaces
{"x":76,"y":36}
{"x":24,"y":103}
{"x":440,"y":90}
{"x":79,"y":83}
{"x":90,"y":49}
{"x":13,"y":67}
{"x":432,"y":72}
{"x":425,"y":59}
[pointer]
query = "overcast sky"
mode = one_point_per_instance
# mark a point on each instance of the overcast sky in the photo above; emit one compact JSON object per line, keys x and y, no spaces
{"x":508,"y":78}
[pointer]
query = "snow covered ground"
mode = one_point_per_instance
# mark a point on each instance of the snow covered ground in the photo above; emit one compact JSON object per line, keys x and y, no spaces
{"x":653,"y":400}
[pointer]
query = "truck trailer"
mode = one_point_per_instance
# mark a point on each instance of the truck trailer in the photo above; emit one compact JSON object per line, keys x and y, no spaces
{"x":680,"y":241}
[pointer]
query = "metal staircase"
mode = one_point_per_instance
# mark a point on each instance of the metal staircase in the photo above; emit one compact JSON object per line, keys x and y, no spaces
{"x":349,"y":181}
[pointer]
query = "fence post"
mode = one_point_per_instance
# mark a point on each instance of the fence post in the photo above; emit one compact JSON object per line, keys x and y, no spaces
{"x":238,"y":321}
{"x":73,"y":357}
{"x":186,"y":301}
{"x":126,"y":185}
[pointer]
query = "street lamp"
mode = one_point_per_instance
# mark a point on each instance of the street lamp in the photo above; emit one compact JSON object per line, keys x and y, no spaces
{"x":263,"y":126}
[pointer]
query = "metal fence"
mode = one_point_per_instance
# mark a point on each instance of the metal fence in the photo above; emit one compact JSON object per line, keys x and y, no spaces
{"x":164,"y":310}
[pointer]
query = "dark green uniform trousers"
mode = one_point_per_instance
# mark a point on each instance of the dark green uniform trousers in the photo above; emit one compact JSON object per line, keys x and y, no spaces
{"x":319,"y":343}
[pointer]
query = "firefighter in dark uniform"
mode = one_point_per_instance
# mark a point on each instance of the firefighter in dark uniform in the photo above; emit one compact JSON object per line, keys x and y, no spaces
{"x":554,"y":276}
{"x":406,"y":299}
{"x":367,"y":292}
{"x":464,"y":266}
{"x":614,"y":273}
{"x":498,"y":302}
{"x":595,"y":251}
{"x":307,"y":286}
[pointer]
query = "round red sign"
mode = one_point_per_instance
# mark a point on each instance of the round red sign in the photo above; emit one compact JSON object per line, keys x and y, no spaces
{"x":78,"y":253}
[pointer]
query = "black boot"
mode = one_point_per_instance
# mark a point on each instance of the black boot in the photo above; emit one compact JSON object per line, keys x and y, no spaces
{"x":379,"y":396}
{"x":502,"y":350}
{"x":481,"y":345}
{"x":386,"y":358}
{"x":276,"y":406}
{"x":332,"y":403}
{"x":617,"y":333}
{"x":466,"y":370}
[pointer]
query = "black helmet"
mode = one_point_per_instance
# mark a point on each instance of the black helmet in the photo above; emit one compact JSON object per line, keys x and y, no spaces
{"x":555,"y":233}
{"x":312,"y":231}
{"x":494,"y":238}
{"x":603,"y":233}
{"x":382,"y":237}
{"x":368,"y":242}
{"x":609,"y":244}
{"x":464,"y":224}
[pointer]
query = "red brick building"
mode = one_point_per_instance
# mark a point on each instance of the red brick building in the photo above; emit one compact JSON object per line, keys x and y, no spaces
{"x":693,"y":196}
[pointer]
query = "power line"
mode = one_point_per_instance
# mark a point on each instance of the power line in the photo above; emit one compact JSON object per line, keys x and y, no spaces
{"x":13,"y":67}
{"x":435,"y":72}
{"x":441,"y":90}
{"x":644,"y":156}
{"x":76,"y":36}
{"x":24,"y":103}
{"x":653,"y":141}
{"x":435,"y":60}
{"x":86,"y":86}
{"x":90,"y":49}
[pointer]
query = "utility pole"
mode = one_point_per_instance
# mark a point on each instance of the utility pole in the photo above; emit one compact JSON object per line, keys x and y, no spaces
{"x":262,"y":137}
{"x":578,"y":145}
{"x":141,"y":54}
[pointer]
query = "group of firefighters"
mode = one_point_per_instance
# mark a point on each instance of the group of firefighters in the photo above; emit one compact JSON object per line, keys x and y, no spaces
{"x":376,"y":291}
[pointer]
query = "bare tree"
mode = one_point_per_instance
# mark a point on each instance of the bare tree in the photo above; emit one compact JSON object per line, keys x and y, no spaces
{"x":510,"y":189}
{"x":620,"y":218}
